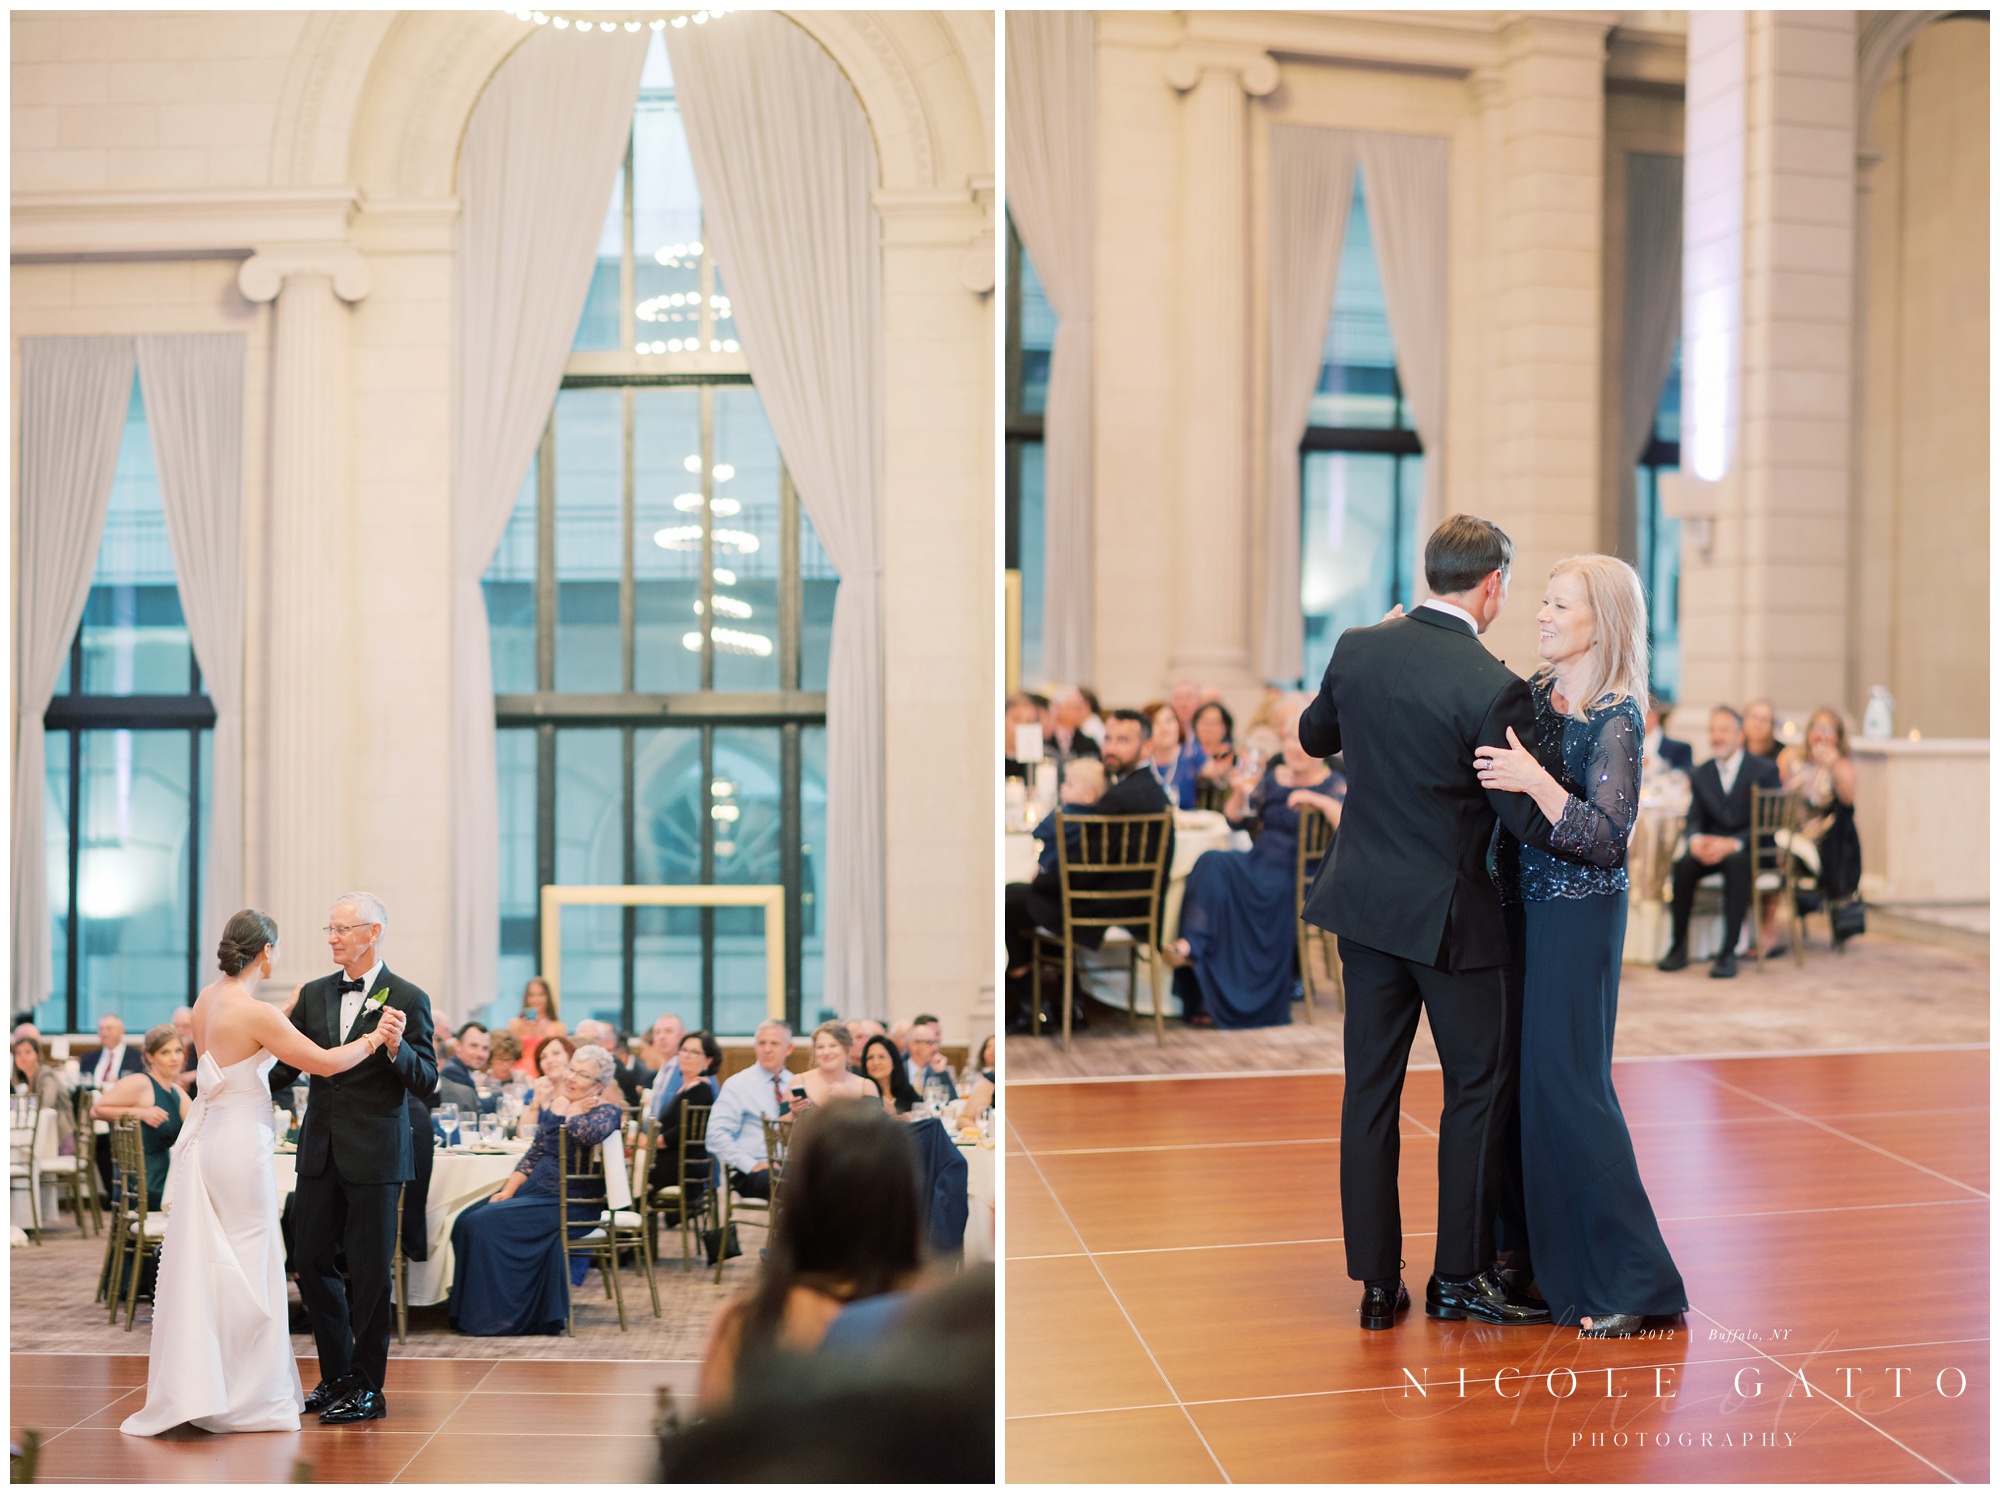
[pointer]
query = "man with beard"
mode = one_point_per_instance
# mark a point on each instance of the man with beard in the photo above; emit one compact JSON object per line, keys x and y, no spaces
{"x":1133,"y":790}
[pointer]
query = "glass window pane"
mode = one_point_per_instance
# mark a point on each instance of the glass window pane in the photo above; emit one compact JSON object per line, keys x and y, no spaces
{"x":1667,"y":418}
{"x":744,"y":818}
{"x":1038,"y":339}
{"x":132,"y":896}
{"x":589,"y":538}
{"x":514,"y":750}
{"x":597,"y":328}
{"x":745,"y":543}
{"x":666,"y":217}
{"x":509,"y":584}
{"x":666,"y":553}
{"x":666,"y":781}
{"x":52,"y":1015}
{"x":1356,"y":521}
{"x":1357,"y":376}
{"x":590,"y":851}
{"x":1028,"y":486}
{"x":135,"y":641}
{"x":812,"y":866}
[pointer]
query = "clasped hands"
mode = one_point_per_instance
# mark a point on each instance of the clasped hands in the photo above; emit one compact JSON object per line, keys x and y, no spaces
{"x":391,"y":1027}
{"x":1710,"y":850}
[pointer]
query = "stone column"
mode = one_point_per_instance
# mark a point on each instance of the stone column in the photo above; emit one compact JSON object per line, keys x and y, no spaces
{"x":1212,"y":630}
{"x":312,"y":713}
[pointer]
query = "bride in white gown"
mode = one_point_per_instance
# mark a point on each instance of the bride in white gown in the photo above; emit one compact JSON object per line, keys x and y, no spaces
{"x":221,"y":1354}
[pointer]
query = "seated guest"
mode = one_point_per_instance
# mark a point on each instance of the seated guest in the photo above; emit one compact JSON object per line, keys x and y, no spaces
{"x":697,"y":1062}
{"x":612,"y":1041}
{"x":27,"y":1029}
{"x":115,"y":1057}
{"x":861,"y":1029}
{"x":747,"y":1099}
{"x":1185,"y":696}
{"x":928,"y":1065}
{"x":509,"y":1272}
{"x":183,"y":1020}
{"x":157,"y":1099}
{"x":503,"y":1059}
{"x":552,"y":1056}
{"x":900,"y":1036}
{"x":1172,"y":759}
{"x":1822,"y":775}
{"x":538,"y":1017}
{"x":1660,"y":748}
{"x":1760,"y":736}
{"x":890,"y":1074}
{"x":828,"y":1078}
{"x":45,"y":1084}
{"x":1718,"y":838}
{"x":849,"y":1230}
{"x":1070,"y":739}
{"x":1022,"y":710}
{"x":461,"y":1077}
{"x":1029,"y":904}
{"x":1215,"y":740}
{"x":668,"y":1032}
{"x":1235,"y":958}
{"x":981,"y":1063}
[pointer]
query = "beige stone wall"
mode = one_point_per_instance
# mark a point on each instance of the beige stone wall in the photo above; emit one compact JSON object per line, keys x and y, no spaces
{"x":1921,"y":574}
{"x":182,"y":142}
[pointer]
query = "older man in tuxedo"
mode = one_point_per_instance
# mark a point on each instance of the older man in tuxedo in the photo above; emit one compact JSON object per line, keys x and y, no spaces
{"x":1718,"y":837}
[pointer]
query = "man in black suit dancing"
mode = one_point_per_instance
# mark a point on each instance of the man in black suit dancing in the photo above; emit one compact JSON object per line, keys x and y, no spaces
{"x":355,"y":1153}
{"x":1407,"y":891}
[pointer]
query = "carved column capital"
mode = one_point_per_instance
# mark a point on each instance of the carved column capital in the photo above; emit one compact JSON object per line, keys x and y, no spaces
{"x":264,"y":274}
{"x":1256,"y":73}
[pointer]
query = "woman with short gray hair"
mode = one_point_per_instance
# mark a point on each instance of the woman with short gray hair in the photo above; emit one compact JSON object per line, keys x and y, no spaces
{"x":509,"y":1249}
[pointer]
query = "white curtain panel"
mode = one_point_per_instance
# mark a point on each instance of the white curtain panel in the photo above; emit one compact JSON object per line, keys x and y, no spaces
{"x":1407,"y":182}
{"x":787,"y":170}
{"x":1312,"y":183}
{"x":1652,"y":323}
{"x":1052,"y":196}
{"x":74,"y":392}
{"x":193,"y":390}
{"x":541,"y":154}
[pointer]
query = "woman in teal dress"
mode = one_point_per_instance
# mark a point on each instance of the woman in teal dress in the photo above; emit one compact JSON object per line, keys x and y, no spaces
{"x":155,"y":1097}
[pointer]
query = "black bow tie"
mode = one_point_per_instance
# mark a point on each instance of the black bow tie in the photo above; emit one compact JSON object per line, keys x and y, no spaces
{"x":351,"y":985}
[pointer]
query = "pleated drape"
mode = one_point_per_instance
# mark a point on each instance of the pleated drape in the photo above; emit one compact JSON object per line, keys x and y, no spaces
{"x":1652,"y":318}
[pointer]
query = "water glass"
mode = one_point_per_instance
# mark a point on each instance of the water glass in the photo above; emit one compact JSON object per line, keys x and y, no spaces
{"x":448,"y":1122}
{"x":489,"y":1130}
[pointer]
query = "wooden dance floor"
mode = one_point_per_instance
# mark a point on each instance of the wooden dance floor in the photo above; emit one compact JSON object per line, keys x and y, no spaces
{"x":450,"y":1421}
{"x":1178,"y":1307}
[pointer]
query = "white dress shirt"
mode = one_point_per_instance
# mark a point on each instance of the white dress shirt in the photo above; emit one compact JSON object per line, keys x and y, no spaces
{"x":736,"y":1124}
{"x":350,"y":1001}
{"x":1726,"y":769}
{"x":1451,"y":610}
{"x":109,"y":1066}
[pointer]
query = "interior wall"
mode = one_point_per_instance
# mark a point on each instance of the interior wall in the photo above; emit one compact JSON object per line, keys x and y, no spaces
{"x":1922,"y":572}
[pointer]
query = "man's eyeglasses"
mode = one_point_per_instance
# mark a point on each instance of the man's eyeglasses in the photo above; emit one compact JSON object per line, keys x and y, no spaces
{"x":344,"y":929}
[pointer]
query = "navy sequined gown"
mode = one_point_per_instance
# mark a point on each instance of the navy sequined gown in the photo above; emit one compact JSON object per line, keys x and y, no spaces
{"x":1596,"y":1246}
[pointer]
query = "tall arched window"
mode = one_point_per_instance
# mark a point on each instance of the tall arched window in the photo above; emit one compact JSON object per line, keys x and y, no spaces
{"x":1361,"y":479}
{"x":128,"y":746}
{"x":1659,"y":564}
{"x":1031,"y":340}
{"x":662,"y":614}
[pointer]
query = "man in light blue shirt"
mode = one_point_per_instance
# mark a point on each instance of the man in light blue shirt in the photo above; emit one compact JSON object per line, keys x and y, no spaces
{"x":759,"y":1093}
{"x":923,"y":1061}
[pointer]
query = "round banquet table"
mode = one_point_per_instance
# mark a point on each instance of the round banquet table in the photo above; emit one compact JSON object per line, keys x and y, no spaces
{"x":1649,"y":861}
{"x":979,"y":1216}
{"x":459,"y":1179}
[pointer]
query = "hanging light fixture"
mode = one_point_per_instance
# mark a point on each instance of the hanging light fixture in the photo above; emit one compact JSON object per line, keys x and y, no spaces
{"x":626,"y":23}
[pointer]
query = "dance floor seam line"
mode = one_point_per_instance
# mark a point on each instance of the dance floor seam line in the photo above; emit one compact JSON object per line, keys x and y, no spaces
{"x":1839,"y":1403}
{"x":124,"y":1395}
{"x":1117,"y":1302}
{"x":444,"y":1422}
{"x":1845,"y":1135}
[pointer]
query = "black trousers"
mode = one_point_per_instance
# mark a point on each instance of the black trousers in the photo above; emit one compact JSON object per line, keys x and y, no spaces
{"x":1735,"y":869}
{"x":1468,"y":1019}
{"x":751,"y":1184}
{"x":350,"y":1319}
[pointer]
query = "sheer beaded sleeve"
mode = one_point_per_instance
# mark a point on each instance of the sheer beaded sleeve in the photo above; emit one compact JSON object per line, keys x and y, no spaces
{"x":1596,"y":824}
{"x":593,"y":1125}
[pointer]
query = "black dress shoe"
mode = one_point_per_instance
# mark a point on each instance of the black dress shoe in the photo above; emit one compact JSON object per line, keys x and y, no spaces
{"x":1380,"y":1302}
{"x":1612,"y":1325}
{"x":363,"y":1405}
{"x":1520,"y":1283}
{"x":1674,"y":959}
{"x":327,"y":1392}
{"x":1485,"y":1297}
{"x":1724,"y":967}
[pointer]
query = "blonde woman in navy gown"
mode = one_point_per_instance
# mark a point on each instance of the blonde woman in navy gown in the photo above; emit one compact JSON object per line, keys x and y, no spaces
{"x":1598,"y":1256}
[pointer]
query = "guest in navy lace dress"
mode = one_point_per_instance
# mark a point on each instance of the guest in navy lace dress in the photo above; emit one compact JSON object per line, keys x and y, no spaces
{"x":509,"y":1276}
{"x":1597,"y":1253}
{"x":1240,"y":912}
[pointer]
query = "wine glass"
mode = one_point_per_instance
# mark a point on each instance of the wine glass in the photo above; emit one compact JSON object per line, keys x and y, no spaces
{"x":489,"y":1130}
{"x":448,"y":1122}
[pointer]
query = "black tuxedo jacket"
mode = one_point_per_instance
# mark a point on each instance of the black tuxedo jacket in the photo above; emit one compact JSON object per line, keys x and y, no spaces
{"x":1405,"y":702}
{"x":1138,"y":792}
{"x":359,"y":1118}
{"x":1713,"y":812}
{"x":1676,"y":754}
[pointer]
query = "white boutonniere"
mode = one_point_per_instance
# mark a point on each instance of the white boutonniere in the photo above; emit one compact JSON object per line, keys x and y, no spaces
{"x":376,"y":1002}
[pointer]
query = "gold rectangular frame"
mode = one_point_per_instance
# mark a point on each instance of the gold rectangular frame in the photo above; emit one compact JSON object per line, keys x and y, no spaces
{"x":771,"y":898}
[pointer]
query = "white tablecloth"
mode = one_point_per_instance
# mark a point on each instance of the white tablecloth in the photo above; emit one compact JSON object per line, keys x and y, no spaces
{"x":22,"y":1215}
{"x":458,"y":1181}
{"x":979,"y":1198}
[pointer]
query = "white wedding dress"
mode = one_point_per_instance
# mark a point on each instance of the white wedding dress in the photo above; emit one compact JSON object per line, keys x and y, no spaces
{"x":221,"y":1355}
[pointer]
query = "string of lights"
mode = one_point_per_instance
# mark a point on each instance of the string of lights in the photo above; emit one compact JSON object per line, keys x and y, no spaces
{"x":657,"y":23}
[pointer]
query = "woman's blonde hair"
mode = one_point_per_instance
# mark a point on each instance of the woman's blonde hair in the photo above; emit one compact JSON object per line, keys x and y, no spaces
{"x":1618,"y":667}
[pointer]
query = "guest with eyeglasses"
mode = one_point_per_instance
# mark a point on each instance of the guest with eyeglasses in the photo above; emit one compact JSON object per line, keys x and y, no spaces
{"x":697,"y":1062}
{"x":747,"y":1099}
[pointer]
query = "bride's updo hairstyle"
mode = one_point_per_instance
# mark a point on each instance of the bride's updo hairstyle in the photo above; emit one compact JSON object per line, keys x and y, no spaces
{"x":244,"y":937}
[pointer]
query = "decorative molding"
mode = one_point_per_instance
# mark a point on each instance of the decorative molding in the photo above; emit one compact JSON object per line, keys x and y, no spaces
{"x":407,"y":226}
{"x":264,"y":274}
{"x":1880,"y":39}
{"x":1255,"y":71}
{"x":225,"y":223}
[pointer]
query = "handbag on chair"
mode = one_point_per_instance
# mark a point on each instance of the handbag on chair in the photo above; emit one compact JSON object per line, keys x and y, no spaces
{"x":1848,"y":919}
